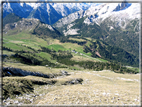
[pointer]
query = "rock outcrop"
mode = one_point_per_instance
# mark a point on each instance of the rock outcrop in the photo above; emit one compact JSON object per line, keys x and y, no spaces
{"x":74,"y":81}
{"x":10,"y":71}
{"x":64,"y":72}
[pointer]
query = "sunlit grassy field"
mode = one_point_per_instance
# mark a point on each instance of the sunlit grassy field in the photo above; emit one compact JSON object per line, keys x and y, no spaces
{"x":98,"y":88}
{"x":22,"y":39}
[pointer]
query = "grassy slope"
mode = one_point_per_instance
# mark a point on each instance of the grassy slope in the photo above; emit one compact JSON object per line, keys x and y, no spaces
{"x":94,"y":90}
{"x":73,"y":46}
{"x":56,"y":47}
{"x":133,"y":68}
{"x":107,"y":86}
{"x":24,"y":38}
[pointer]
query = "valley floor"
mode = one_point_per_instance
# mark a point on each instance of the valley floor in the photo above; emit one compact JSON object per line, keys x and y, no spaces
{"x":98,"y":88}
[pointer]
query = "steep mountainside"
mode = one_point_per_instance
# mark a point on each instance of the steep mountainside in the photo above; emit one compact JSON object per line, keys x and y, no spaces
{"x":20,"y":10}
{"x":10,"y":18}
{"x":46,"y":12}
{"x":115,"y":23}
{"x":34,"y":26}
{"x":98,"y":13}
{"x":100,"y":49}
{"x":112,"y":53}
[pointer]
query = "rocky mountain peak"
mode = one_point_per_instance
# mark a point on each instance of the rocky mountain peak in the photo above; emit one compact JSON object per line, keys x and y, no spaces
{"x":114,"y":11}
{"x":48,"y":13}
{"x":24,"y":24}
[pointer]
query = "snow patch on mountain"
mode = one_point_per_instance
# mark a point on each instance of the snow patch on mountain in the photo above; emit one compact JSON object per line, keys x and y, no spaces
{"x":113,"y":14}
{"x":6,"y":6}
{"x":71,"y":32}
{"x":107,"y":10}
{"x":67,"y":8}
{"x":34,"y":5}
{"x":70,"y":25}
{"x":51,"y":28}
{"x":111,"y":27}
{"x":48,"y":9}
{"x":54,"y":11}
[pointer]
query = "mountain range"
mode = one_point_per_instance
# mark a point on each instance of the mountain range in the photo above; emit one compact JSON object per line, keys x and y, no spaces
{"x":119,"y":13}
{"x":53,"y":48}
{"x":48,"y":13}
{"x":116,"y":24}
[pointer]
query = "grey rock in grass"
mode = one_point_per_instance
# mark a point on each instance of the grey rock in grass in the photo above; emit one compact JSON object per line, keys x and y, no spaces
{"x":64,"y":72}
{"x":74,"y":81}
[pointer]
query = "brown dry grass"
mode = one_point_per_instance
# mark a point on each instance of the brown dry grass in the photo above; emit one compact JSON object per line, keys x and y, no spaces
{"x":96,"y":89}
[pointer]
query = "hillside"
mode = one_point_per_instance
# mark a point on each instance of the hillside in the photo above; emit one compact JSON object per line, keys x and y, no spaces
{"x":127,"y":39}
{"x":41,"y":65}
{"x":97,"y":88}
{"x":46,"y":40}
{"x":107,"y":22}
{"x":11,"y":18}
{"x":47,"y":12}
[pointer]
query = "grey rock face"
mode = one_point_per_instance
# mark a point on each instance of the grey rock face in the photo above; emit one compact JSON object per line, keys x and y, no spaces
{"x":10,"y":71}
{"x":19,"y":72}
{"x":27,"y":25}
{"x":70,"y":18}
{"x":24,"y":24}
{"x":46,"y":12}
{"x":98,"y":14}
